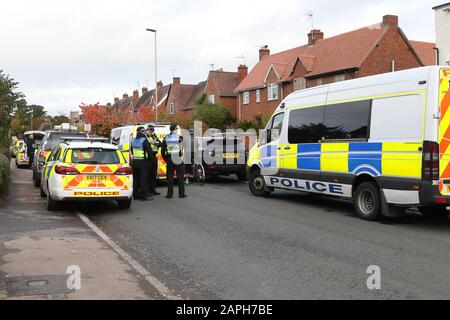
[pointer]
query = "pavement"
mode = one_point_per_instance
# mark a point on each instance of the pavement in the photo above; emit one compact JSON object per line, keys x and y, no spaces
{"x":37,"y":248}
{"x":223,"y":243}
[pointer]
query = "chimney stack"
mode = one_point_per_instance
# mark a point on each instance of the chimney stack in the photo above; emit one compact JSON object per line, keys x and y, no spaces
{"x":176,"y":80}
{"x":264,"y":52}
{"x":116,"y":100}
{"x":144,"y":90}
{"x":314,"y":36}
{"x":108,"y":105}
{"x":135,"y":95}
{"x":390,"y":21}
{"x":125,"y":96}
{"x":242,"y":72}
{"x":159,"y":84}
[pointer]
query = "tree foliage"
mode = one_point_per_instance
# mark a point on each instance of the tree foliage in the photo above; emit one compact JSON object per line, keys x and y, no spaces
{"x":9,"y":99}
{"x":211,"y":114}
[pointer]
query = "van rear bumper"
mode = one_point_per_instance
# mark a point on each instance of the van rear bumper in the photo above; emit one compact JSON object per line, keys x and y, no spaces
{"x":429,"y":194}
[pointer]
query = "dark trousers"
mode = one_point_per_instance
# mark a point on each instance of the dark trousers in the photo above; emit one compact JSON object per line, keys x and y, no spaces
{"x":153,"y":174}
{"x":179,"y":169}
{"x":140,"y":178}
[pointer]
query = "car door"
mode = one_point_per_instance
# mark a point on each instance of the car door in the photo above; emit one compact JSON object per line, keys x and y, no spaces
{"x":48,"y":167}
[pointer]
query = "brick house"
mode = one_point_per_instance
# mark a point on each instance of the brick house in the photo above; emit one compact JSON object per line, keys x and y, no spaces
{"x":367,"y":51}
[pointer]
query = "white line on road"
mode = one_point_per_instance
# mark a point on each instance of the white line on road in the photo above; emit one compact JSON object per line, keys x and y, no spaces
{"x":162,"y":289}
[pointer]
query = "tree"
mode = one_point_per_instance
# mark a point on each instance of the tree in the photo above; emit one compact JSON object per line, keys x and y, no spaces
{"x":59,"y":119}
{"x":211,"y":114}
{"x":9,"y":99}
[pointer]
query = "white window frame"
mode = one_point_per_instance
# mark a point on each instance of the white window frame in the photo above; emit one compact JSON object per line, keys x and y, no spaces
{"x":299,"y":84}
{"x":319,"y":82}
{"x":246,"y":97}
{"x":258,"y":96}
{"x":212,"y":98}
{"x":270,"y":91}
{"x":172,"y":108}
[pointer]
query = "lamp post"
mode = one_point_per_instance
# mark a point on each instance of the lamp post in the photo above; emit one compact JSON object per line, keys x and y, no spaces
{"x":156,"y":76}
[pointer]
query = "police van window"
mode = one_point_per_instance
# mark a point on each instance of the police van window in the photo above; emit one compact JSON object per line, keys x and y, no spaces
{"x":347,"y":120}
{"x":305,"y":125}
{"x":115,"y":139}
{"x":277,"y":126}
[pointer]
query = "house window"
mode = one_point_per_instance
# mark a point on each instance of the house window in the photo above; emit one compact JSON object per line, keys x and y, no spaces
{"x":258,"y":96}
{"x":318,"y":82}
{"x":299,"y":84}
{"x":172,"y":108}
{"x":246,"y":97}
{"x":272,"y":91}
{"x":339,"y":78}
{"x":211,"y":98}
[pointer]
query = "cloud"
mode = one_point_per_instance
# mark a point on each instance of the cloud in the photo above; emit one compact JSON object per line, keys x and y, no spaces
{"x":68,"y":52}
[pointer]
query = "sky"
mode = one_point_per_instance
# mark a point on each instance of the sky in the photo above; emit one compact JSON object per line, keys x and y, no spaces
{"x":69,"y":52}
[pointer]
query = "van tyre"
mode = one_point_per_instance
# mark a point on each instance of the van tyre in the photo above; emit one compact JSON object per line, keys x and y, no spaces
{"x":258,"y":185}
{"x":435,"y":212}
{"x":367,"y":201}
{"x":124,"y":204}
{"x":37,"y":181}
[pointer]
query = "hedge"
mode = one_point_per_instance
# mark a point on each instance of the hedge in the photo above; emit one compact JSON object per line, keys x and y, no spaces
{"x":4,"y":175}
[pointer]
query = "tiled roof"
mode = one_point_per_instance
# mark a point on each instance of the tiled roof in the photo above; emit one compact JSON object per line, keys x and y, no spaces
{"x":425,"y":51}
{"x":145,"y":99}
{"x":196,"y":94}
{"x":181,"y":93}
{"x":224,"y":82}
{"x":341,"y":52}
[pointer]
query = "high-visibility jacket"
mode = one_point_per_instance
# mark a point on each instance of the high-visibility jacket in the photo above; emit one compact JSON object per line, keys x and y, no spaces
{"x":173,"y":144}
{"x":154,"y":144}
{"x":138,"y":148}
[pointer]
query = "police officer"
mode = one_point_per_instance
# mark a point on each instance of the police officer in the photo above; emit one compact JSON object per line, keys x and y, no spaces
{"x":141,"y":151}
{"x":30,"y":149}
{"x":155,"y":143}
{"x":172,"y":152}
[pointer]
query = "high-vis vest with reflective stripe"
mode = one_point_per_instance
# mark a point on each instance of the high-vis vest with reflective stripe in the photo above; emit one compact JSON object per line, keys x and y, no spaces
{"x":153,"y":144}
{"x":173,"y":143}
{"x":138,"y":149}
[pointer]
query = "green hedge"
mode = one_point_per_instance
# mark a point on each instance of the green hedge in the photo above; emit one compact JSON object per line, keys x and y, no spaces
{"x":4,"y":175}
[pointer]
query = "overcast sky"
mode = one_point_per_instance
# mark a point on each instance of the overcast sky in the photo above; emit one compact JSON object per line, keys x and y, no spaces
{"x":67,"y":52}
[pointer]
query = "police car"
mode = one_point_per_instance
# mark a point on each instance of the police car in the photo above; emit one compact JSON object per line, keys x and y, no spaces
{"x":86,"y":169}
{"x":382,"y":141}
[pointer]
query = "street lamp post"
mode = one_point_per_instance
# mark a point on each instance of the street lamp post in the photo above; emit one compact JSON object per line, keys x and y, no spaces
{"x":156,"y":76}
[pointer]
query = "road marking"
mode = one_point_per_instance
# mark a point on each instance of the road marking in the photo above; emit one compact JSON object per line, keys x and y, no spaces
{"x":158,"y":285}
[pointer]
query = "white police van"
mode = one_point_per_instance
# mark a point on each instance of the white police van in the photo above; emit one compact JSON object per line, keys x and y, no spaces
{"x":382,"y":141}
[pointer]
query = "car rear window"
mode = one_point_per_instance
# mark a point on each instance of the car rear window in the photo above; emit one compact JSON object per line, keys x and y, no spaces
{"x":54,"y":139}
{"x":95,"y":156}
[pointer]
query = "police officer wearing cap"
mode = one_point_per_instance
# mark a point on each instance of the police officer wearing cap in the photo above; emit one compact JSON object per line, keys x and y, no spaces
{"x":142,"y":152}
{"x":172,"y":152}
{"x":155,"y":144}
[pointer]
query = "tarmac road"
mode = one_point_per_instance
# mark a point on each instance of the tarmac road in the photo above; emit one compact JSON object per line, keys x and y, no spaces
{"x":224,"y":243}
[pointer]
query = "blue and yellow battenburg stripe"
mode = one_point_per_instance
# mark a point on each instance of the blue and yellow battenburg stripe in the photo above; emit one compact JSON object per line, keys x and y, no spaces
{"x":399,"y":159}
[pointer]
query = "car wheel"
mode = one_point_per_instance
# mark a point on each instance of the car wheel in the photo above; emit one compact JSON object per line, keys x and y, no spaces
{"x":434,"y":212}
{"x":52,"y":205}
{"x":367,"y":201}
{"x":258,"y":185}
{"x":124,"y":204}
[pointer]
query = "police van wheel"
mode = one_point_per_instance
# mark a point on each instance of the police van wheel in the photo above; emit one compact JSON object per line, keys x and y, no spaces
{"x":124,"y":204}
{"x":37,"y":181}
{"x":367,"y":201}
{"x":257,"y":184}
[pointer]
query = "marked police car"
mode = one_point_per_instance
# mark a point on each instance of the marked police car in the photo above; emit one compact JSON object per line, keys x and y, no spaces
{"x":86,"y":169}
{"x":382,"y":141}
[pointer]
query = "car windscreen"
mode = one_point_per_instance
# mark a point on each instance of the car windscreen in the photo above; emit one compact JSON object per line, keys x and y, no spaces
{"x":225,"y":144}
{"x":95,"y":156}
{"x":54,"y":139}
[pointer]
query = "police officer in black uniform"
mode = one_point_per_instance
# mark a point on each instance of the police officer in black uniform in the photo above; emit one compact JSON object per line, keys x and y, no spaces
{"x":172,"y":152}
{"x":155,"y":143}
{"x":141,"y":151}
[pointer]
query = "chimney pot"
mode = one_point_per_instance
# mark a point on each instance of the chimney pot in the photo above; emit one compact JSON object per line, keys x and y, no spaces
{"x":264,"y":52}
{"x":314,"y":36}
{"x":176,"y":80}
{"x":125,"y":96}
{"x":390,"y":21}
{"x":144,"y":90}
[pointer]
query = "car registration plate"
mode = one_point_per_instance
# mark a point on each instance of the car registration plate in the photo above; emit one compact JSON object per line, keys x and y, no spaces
{"x":96,"y":177}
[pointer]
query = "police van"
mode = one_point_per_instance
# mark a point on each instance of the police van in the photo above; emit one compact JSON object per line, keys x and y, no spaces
{"x":122,"y":137}
{"x":382,"y":141}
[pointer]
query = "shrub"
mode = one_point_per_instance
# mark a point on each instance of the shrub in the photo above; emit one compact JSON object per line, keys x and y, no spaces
{"x":4,"y":175}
